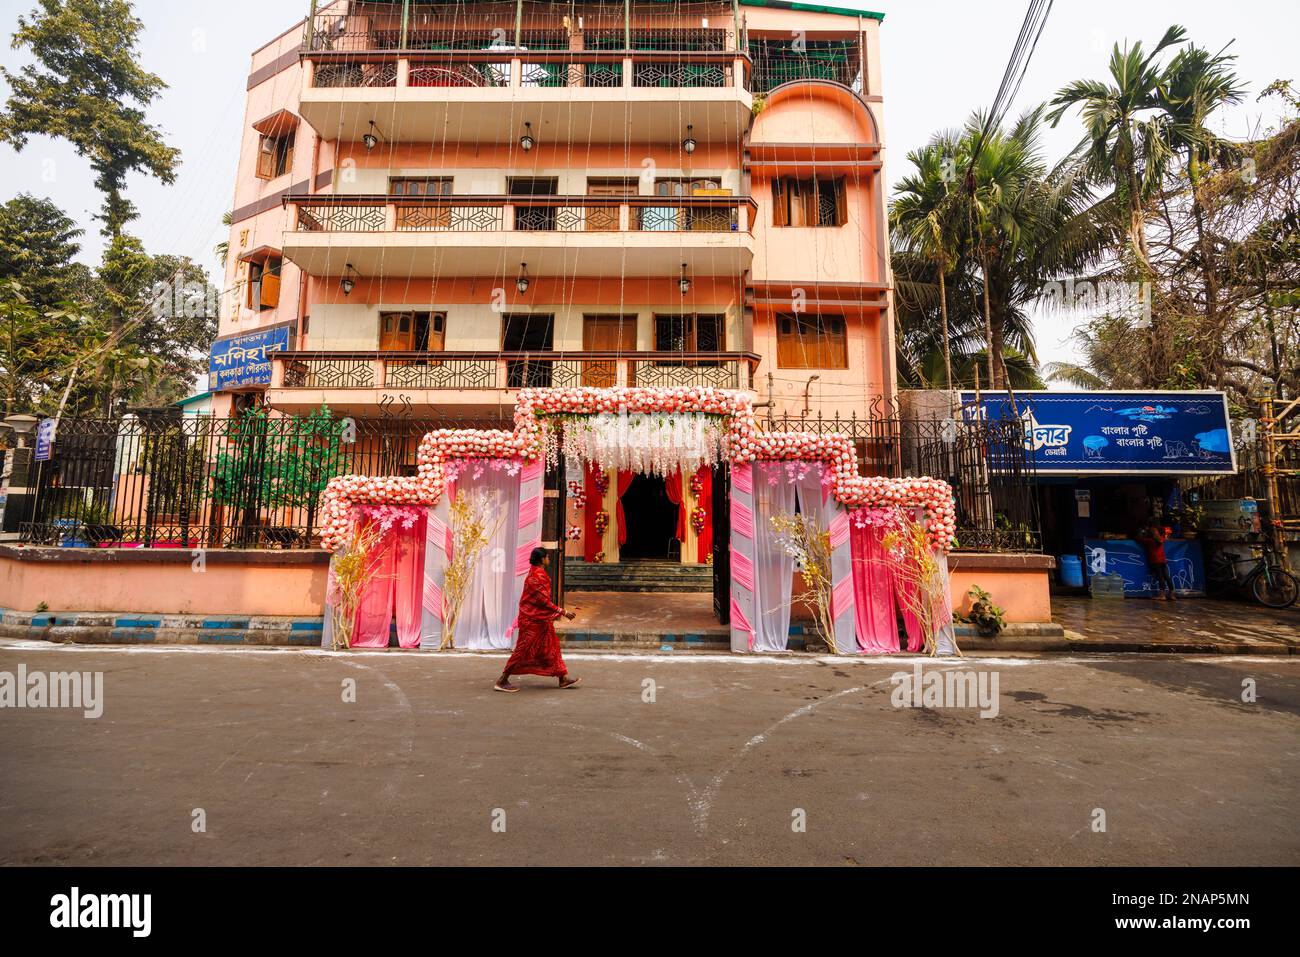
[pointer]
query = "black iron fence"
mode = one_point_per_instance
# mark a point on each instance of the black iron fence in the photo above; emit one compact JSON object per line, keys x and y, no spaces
{"x":986,"y":463}
{"x":164,"y":480}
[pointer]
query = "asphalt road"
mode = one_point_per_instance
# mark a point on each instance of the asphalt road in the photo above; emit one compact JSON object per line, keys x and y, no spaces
{"x":428,"y":764}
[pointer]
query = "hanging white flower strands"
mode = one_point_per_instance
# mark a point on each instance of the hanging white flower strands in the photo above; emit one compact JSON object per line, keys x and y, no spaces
{"x":658,"y":443}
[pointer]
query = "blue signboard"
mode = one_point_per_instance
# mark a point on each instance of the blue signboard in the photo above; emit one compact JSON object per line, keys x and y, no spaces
{"x":1117,"y":433}
{"x":242,"y":359}
{"x":1128,"y":559}
{"x":45,"y":439}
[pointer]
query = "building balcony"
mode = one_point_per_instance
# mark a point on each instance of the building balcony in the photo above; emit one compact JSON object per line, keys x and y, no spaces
{"x":468,"y":235}
{"x":486,"y":96}
{"x":474,"y":383}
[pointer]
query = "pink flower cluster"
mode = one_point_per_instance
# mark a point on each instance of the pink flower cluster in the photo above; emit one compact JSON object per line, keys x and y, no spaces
{"x":345,"y":492}
{"x":745,"y":443}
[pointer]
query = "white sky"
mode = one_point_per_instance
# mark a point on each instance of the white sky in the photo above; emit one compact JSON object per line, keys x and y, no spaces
{"x":941,"y":60}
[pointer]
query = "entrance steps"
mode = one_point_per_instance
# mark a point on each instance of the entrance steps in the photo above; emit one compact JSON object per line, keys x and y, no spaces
{"x":637,"y":576}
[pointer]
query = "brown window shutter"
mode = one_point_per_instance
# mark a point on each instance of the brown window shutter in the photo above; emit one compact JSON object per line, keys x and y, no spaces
{"x":270,"y":290}
{"x":288,"y":159}
{"x":266,"y":157}
{"x":811,"y":217}
{"x":780,"y":203}
{"x":841,"y":202}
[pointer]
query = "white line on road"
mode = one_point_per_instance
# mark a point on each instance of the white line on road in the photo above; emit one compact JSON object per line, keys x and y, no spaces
{"x":892,"y":661}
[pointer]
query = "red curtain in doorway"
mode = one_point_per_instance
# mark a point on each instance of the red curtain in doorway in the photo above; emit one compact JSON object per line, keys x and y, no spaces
{"x":624,"y":480}
{"x":590,"y":537}
{"x":673,"y":486}
{"x":705,"y":543}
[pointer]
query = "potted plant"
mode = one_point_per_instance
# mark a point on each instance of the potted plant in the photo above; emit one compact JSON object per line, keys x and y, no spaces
{"x":1191,"y":519}
{"x":987,"y":617}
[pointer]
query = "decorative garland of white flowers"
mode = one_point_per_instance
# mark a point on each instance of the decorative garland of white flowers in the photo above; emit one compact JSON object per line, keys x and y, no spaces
{"x":736,"y":436}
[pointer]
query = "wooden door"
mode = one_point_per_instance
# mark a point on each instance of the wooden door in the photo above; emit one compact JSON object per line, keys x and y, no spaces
{"x":605,"y":218}
{"x":606,"y":334}
{"x":396,"y":331}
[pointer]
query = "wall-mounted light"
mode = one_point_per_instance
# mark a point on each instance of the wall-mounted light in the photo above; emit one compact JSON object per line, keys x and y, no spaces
{"x":522,"y":282}
{"x":371,"y":139}
{"x":689,"y":143}
{"x":526,"y":142}
{"x":347,"y":283}
{"x":684,"y":284}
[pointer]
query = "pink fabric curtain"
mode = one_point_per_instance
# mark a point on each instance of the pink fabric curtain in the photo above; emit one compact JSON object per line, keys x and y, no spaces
{"x":873,"y":591}
{"x":396,"y":586}
{"x":375,"y":610}
{"x":408,"y":583}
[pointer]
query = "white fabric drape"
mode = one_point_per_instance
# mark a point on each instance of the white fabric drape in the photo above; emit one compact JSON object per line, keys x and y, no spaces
{"x":808,"y":490}
{"x":773,"y":566}
{"x":492,"y":598}
{"x":945,"y":636}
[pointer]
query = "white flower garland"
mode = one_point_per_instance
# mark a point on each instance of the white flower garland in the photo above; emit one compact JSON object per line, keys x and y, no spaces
{"x":657,"y":443}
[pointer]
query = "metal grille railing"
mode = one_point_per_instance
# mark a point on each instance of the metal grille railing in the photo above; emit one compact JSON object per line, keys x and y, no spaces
{"x":671,"y":374}
{"x":986,"y":463}
{"x":778,"y":61}
{"x":327,"y":75}
{"x":159,"y":479}
{"x":670,"y":218}
{"x":454,"y":219}
{"x":330,"y":218}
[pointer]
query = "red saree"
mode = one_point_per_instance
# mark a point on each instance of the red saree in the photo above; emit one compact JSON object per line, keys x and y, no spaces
{"x":537,"y":649}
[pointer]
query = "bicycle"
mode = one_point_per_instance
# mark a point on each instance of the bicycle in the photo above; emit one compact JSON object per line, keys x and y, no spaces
{"x":1267,"y":581}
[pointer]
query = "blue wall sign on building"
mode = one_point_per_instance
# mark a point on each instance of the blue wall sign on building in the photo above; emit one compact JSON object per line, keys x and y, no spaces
{"x":241,"y":360}
{"x":1128,"y":559}
{"x":1113,"y":433}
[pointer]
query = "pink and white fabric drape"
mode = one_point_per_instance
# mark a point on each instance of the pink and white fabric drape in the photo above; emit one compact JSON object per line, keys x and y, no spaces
{"x":883,"y":595}
{"x":395,"y":587}
{"x":492,"y":599}
{"x":773,"y":565}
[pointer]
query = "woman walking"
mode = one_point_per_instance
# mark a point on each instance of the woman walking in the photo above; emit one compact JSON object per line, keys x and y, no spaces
{"x":537,"y":649}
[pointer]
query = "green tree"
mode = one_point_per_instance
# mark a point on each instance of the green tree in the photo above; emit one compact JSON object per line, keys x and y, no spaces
{"x":1012,"y":227}
{"x":1197,"y":84}
{"x":37,"y":245}
{"x":1126,"y":141}
{"x":924,"y":218}
{"x":87,"y":87}
{"x":272,"y":464}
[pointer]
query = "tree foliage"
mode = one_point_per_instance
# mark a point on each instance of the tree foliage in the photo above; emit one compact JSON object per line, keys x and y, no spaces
{"x":86,"y":86}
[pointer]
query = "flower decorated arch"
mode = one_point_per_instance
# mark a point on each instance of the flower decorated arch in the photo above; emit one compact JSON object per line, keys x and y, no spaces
{"x":849,"y":510}
{"x":444,"y":451}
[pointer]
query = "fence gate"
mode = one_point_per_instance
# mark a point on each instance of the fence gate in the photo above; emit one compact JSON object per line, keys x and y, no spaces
{"x":721,"y":506}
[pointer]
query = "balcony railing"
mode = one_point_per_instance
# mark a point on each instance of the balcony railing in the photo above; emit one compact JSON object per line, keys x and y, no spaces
{"x":354,"y":213}
{"x":463,"y":371}
{"x":513,"y":68}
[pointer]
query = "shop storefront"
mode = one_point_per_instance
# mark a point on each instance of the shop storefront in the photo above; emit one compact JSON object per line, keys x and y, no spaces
{"x":1107,"y":463}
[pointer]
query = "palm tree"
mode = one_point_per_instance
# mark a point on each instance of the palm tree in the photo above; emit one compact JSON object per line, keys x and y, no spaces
{"x":222,"y":249}
{"x":1197,"y":83}
{"x":1013,"y":227}
{"x":1126,"y":143}
{"x":923,"y":219}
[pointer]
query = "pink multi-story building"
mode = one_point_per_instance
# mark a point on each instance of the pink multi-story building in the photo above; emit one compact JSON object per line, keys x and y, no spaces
{"x":439,"y":203}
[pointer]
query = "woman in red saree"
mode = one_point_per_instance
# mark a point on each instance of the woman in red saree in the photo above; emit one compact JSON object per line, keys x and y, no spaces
{"x":537,"y":649}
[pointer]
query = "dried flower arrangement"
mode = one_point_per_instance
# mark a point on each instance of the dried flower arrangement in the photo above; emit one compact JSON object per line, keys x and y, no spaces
{"x":351,"y":570}
{"x":803,"y":540}
{"x":475,"y":517}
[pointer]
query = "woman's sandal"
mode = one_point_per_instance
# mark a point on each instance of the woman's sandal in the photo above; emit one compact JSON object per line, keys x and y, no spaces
{"x":570,"y":683}
{"x":505,"y":686}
